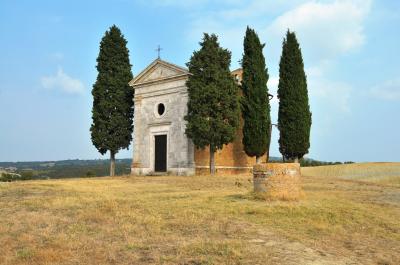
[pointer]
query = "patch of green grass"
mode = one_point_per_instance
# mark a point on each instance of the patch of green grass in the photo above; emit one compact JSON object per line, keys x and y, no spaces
{"x":137,"y":247}
{"x":212,"y":252}
{"x":24,"y":253}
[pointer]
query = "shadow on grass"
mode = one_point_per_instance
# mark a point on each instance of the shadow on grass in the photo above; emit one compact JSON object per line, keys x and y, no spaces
{"x":248,"y":196}
{"x":252,"y":196}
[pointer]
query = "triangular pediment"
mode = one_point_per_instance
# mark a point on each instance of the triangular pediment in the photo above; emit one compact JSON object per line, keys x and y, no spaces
{"x":158,"y":70}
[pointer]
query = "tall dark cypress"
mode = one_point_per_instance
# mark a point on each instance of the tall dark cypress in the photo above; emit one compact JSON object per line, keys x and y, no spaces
{"x":112,"y":112}
{"x":213,"y":106}
{"x":294,"y":118}
{"x":255,"y":101}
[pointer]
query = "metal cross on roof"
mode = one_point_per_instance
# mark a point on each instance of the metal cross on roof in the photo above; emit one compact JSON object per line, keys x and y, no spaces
{"x":158,"y":50}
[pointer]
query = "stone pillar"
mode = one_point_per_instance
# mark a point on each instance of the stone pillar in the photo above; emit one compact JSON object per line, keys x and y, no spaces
{"x":137,"y":137}
{"x":278,"y":180}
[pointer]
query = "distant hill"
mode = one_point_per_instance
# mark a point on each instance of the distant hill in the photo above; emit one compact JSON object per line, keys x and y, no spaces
{"x":96,"y":167}
{"x":66,"y":168}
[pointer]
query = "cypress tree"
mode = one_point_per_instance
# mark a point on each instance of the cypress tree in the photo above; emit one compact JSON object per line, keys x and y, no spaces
{"x":112,"y":112}
{"x":255,"y":101}
{"x":294,"y":116}
{"x":213,"y":106}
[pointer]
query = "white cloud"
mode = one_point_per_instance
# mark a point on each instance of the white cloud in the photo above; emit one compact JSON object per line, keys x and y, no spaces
{"x":256,"y":9}
{"x":326,"y":93}
{"x":326,"y":29}
{"x":229,"y":21}
{"x":63,"y":82}
{"x":389,"y":90}
{"x":273,"y":82}
{"x":330,"y":94}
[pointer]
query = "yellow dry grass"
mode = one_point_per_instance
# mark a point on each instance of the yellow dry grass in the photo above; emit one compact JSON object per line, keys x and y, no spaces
{"x":384,"y":172}
{"x":196,"y":220}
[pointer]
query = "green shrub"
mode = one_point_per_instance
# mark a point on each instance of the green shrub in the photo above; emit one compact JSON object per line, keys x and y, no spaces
{"x":8,"y":177}
{"x":26,"y":175}
{"x":90,"y":174}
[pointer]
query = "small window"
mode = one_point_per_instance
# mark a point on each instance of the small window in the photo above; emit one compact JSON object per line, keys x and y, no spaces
{"x":161,"y":109}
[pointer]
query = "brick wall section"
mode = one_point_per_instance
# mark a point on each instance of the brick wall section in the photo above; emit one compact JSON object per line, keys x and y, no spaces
{"x":230,"y":160}
{"x":278,"y":181}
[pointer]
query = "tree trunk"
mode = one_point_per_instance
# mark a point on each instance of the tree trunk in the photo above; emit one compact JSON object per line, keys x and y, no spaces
{"x":258,"y":160}
{"x":112,"y":163}
{"x":212,"y":161}
{"x":296,"y":160}
{"x":269,"y":144}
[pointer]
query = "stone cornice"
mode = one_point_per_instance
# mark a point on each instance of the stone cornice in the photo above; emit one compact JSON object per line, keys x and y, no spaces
{"x":160,"y":123}
{"x":160,"y":81}
{"x":183,"y":72}
{"x":162,"y":91}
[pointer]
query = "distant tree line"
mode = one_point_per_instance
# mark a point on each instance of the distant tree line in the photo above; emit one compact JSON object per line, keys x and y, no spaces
{"x":64,"y":169}
{"x":99,"y":168}
{"x":9,"y":177}
{"x":304,"y":162}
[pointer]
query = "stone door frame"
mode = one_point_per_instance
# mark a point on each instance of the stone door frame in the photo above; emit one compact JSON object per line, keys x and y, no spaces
{"x":158,"y":130}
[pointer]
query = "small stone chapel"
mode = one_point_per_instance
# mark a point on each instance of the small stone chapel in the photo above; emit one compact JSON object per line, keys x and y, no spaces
{"x":160,"y":145}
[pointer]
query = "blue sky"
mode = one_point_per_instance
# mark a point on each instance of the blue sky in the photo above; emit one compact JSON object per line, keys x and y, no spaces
{"x":48,"y":53}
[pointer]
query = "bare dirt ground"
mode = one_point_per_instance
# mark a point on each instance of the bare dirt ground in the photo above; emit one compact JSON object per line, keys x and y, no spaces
{"x":197,"y":220}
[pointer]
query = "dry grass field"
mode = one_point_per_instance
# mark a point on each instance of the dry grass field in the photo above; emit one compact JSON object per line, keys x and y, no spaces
{"x":199,"y":220}
{"x":384,"y":173}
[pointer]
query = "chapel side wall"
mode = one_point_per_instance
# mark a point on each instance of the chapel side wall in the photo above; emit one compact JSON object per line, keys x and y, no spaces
{"x":232,"y":159}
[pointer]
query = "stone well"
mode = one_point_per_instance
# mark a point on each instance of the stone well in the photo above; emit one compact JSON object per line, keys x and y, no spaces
{"x":278,"y":180}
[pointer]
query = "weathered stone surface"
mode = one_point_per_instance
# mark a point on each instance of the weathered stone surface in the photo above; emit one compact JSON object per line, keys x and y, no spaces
{"x":170,"y":90}
{"x":278,"y":180}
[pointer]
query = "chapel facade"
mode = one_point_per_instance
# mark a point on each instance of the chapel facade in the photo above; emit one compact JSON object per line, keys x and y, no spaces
{"x":160,"y":145}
